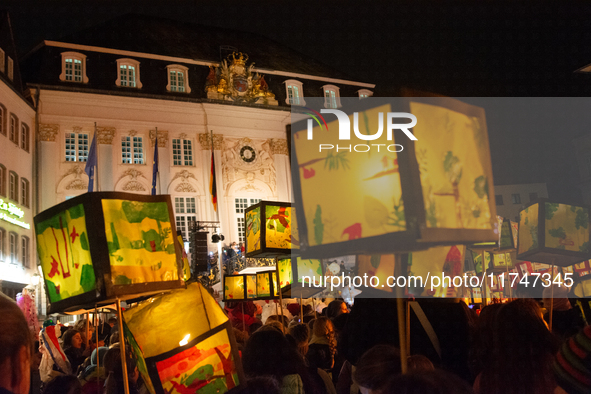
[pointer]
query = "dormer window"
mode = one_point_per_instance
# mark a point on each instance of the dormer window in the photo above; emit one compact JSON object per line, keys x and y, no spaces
{"x":295,"y":92}
{"x":128,"y":74}
{"x":73,"y":67}
{"x":332,"y":98}
{"x":364,"y":93}
{"x":178,"y":79}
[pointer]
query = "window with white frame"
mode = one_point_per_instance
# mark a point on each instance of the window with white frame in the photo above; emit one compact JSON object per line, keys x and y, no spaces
{"x":24,"y":137}
{"x":73,"y":67}
{"x":2,"y":180}
{"x":13,"y":129}
{"x":10,"y":68}
{"x":25,"y":251}
{"x":331,"y":96}
{"x":132,"y":150}
{"x":241,"y":205}
{"x":128,"y":73}
{"x":13,"y":186}
{"x":295,"y":92}
{"x":12,"y":248}
{"x":178,"y":79}
{"x":182,"y":152}
{"x":25,"y":192}
{"x":2,"y":244}
{"x":185,"y":211}
{"x":1,"y":60}
{"x":77,"y":147}
{"x":364,"y":93}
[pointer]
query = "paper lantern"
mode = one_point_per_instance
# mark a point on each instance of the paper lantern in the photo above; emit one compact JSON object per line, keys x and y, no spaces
{"x":380,"y":266}
{"x":437,"y":191}
{"x":266,"y":285}
{"x":183,"y":343}
{"x":433,"y":266}
{"x":304,"y":278}
{"x":240,"y":287}
{"x":100,"y":246}
{"x":583,"y":269}
{"x":554,"y":233}
{"x":270,"y":229}
{"x":509,"y":234}
{"x":501,"y":261}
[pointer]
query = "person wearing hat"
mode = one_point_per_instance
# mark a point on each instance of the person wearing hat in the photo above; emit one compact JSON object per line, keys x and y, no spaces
{"x":572,"y":366}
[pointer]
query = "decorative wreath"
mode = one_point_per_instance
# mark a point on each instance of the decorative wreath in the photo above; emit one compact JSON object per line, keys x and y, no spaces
{"x":252,"y":154}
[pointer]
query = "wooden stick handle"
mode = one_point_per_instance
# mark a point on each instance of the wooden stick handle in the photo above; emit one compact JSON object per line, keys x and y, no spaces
{"x":122,"y":348}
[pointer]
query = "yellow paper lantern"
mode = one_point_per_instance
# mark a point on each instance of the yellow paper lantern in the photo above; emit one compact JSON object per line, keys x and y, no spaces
{"x":183,"y":342}
{"x":100,"y":246}
{"x":301,"y":277}
{"x":554,"y":233}
{"x":270,"y":229}
{"x":360,"y":200}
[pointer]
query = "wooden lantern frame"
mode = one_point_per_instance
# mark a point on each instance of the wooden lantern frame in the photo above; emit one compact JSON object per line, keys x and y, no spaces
{"x":417,"y":235}
{"x":553,"y":256}
{"x":263,"y":251}
{"x":245,"y":281}
{"x":105,"y":291}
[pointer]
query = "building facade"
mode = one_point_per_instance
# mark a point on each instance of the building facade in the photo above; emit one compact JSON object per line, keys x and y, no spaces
{"x":511,"y":199}
{"x":18,"y":266}
{"x":196,"y":89}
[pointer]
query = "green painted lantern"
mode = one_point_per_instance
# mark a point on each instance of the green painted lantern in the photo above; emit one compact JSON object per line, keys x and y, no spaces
{"x":270,"y":229}
{"x":100,"y":246}
{"x":554,"y":233}
{"x":304,"y":278}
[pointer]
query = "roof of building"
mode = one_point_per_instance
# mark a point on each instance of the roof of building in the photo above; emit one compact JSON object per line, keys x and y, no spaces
{"x":150,"y":34}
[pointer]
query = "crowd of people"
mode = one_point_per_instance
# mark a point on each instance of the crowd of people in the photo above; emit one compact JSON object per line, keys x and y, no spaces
{"x":505,"y":349}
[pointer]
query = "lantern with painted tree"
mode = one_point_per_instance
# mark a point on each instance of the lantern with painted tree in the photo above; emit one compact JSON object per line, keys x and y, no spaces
{"x":100,"y":246}
{"x":554,"y":233}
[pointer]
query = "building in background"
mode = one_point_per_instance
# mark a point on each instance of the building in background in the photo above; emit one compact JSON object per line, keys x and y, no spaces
{"x":511,"y":199}
{"x":18,"y":264}
{"x":138,"y":77}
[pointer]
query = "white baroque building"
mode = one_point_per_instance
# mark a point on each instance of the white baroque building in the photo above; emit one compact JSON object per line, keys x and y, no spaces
{"x":136,"y":77}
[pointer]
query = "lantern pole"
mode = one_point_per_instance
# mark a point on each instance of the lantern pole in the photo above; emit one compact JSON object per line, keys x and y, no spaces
{"x":87,"y":329}
{"x":301,"y":309}
{"x":551,"y":296}
{"x":484,"y":299}
{"x":408,"y":327}
{"x":97,"y":342}
{"x":401,"y":320}
{"x":280,"y":295}
{"x":243,"y":324}
{"x":122,"y":347}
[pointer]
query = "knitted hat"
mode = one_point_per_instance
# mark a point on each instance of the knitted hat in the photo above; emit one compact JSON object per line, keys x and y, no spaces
{"x":572,"y":367}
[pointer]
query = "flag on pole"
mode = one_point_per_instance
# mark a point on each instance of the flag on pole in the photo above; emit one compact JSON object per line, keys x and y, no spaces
{"x":91,"y":164}
{"x":155,"y":166}
{"x":212,"y":185}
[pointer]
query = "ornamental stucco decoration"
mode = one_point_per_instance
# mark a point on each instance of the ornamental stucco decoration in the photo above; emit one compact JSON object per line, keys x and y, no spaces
{"x":162,"y":138}
{"x":105,"y":135}
{"x":47,"y":132}
{"x":77,"y":184}
{"x":278,"y":146}
{"x":185,"y":187}
{"x":134,"y":186}
{"x":205,"y":141}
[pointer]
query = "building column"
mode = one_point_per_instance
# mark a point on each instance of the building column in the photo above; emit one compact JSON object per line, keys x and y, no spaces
{"x":104,"y":169}
{"x":48,"y":174}
{"x":282,"y":169}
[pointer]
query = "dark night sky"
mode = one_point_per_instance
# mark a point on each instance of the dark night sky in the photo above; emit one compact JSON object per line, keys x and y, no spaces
{"x":461,"y":49}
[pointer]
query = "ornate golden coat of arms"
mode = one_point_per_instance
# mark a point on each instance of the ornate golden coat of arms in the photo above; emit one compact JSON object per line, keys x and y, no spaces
{"x":233,"y":81}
